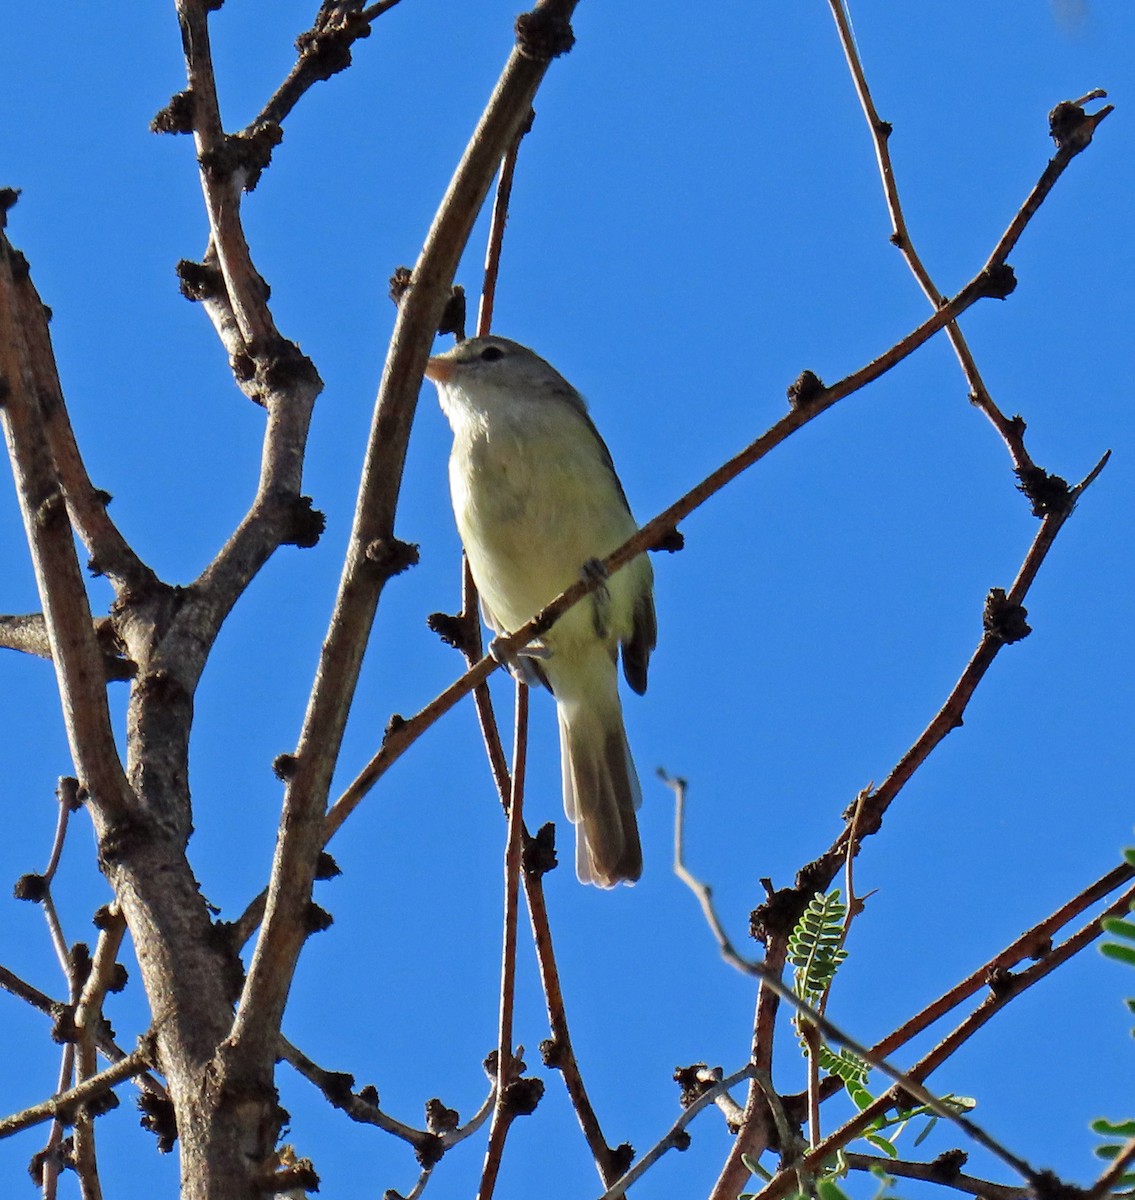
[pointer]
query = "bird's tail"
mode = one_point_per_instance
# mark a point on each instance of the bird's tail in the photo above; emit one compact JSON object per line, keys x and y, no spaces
{"x":601,"y":791}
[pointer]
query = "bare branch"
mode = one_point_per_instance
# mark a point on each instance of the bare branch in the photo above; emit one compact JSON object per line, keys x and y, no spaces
{"x":507,"y":1065}
{"x":675,"y":1136}
{"x":1005,"y":988}
{"x":324,"y":51}
{"x":75,"y":650}
{"x":63,"y":1105}
{"x":945,"y":1170}
{"x":1004,"y":623}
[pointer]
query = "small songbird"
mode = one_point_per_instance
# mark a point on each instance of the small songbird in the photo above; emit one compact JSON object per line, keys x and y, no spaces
{"x":537,"y":501}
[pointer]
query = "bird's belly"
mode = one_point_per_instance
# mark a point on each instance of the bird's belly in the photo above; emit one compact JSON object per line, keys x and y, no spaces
{"x":529,"y":521}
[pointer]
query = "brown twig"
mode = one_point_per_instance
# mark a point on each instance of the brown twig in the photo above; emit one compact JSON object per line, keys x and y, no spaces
{"x":63,"y":1105}
{"x":674,"y":1136}
{"x":496,"y":230}
{"x":62,"y":590}
{"x":1034,"y":943}
{"x":507,"y":1063}
{"x":324,"y":51}
{"x":758,"y":1123}
{"x":910,"y":1082}
{"x":89,"y":1024}
{"x":1005,"y":990}
{"x":1011,"y":430}
{"x":1000,"y":608}
{"x":1109,"y":1178}
{"x":944,"y":1173}
{"x":337,"y":1087}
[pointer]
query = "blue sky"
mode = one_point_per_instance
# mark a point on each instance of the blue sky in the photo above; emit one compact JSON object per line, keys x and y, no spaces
{"x":696,"y":219}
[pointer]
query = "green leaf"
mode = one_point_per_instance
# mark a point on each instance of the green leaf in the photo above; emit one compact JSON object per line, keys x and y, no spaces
{"x":1123,"y":1129}
{"x":1118,"y":926}
{"x":860,"y":1096}
{"x":881,"y":1143}
{"x":827,"y":1189}
{"x":1123,"y":954}
{"x":924,"y":1132}
{"x":814,"y":948}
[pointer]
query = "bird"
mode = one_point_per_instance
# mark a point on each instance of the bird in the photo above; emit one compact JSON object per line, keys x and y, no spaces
{"x":537,"y":502}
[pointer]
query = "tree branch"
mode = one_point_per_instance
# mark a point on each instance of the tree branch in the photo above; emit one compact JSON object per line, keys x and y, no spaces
{"x":74,"y":648}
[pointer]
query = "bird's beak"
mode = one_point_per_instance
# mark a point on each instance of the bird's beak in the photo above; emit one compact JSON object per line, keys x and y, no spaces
{"x":439,"y":369}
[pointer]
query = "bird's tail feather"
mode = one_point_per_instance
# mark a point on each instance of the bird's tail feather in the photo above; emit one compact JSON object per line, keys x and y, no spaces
{"x":601,"y":793}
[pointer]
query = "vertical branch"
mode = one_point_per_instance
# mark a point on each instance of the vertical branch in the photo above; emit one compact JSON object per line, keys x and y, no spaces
{"x":507,"y":1064}
{"x":496,"y":229}
{"x":222,"y":180}
{"x":88,"y":1020}
{"x":513,"y":849}
{"x":757,"y":1122}
{"x":75,"y":651}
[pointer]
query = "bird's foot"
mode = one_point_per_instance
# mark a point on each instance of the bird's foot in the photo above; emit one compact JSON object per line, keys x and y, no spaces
{"x":521,"y":664}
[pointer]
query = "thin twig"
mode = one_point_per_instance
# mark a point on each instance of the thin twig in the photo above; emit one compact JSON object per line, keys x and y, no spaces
{"x":1012,"y":432}
{"x":1109,"y":1178}
{"x":63,"y":1104}
{"x":496,"y":230}
{"x":507,"y":1063}
{"x":336,"y":1086}
{"x":674,"y":1136}
{"x":88,"y":1024}
{"x":324,"y":51}
{"x":758,"y":1122}
{"x":936,"y":1172}
{"x":816,"y":875}
{"x":1006,"y":989}
{"x":904,"y":1079}
{"x":703,"y":893}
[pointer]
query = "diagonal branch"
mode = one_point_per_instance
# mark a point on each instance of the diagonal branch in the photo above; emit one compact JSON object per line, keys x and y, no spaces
{"x":1003,"y":990}
{"x":70,"y":628}
{"x":1073,"y":131}
{"x":1004,"y":623}
{"x":810,"y":399}
{"x":64,"y":1105}
{"x":324,"y":51}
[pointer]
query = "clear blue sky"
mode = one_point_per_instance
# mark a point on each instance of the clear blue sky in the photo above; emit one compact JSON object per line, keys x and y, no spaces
{"x":697,"y":218}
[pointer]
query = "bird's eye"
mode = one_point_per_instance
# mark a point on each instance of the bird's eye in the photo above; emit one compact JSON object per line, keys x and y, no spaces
{"x":491,"y":354}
